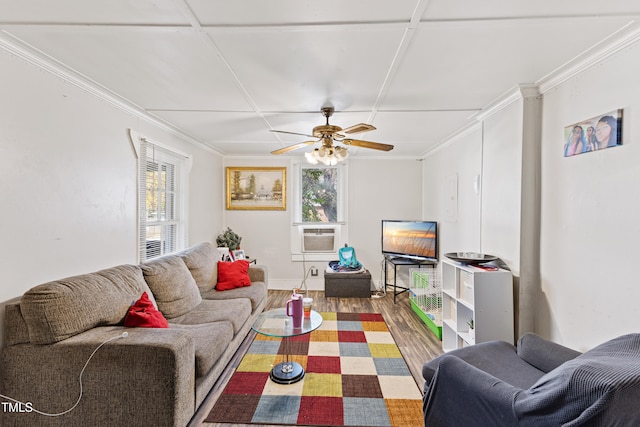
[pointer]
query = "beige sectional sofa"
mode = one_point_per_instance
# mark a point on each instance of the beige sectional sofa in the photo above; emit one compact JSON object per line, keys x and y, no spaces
{"x":152,"y":376}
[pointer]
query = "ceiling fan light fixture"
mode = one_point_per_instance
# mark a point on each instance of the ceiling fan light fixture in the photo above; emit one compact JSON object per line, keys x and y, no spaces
{"x":312,"y":157}
{"x":327,"y":134}
{"x":341,"y":153}
{"x":329,"y":156}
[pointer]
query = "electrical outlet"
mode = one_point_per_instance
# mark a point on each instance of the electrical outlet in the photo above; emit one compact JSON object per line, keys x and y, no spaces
{"x":314,"y":271}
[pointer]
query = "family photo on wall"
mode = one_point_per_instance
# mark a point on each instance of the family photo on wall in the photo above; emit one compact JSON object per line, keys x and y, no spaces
{"x":596,"y":133}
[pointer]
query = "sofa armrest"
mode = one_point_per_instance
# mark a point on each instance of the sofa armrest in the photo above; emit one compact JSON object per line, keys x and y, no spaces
{"x":463,"y":395}
{"x":145,"y":378}
{"x":259,"y":273}
{"x":542,"y":353}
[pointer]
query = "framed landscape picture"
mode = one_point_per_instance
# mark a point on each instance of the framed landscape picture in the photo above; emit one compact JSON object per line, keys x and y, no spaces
{"x":596,"y":133}
{"x":256,"y":188}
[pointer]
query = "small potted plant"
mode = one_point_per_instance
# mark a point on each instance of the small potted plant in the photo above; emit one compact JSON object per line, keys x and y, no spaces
{"x":229,"y":239}
{"x":472,"y":329}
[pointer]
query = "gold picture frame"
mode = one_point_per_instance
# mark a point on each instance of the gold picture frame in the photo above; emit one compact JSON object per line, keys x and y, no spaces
{"x":256,"y":188}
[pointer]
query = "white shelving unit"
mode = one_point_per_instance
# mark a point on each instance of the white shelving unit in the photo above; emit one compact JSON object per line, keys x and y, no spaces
{"x":473,"y":293}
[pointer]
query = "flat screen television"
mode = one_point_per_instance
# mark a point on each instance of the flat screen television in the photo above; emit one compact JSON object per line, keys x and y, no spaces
{"x":410,"y":239}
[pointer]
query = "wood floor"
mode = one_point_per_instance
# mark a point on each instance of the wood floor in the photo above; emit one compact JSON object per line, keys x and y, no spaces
{"x":416,"y":342}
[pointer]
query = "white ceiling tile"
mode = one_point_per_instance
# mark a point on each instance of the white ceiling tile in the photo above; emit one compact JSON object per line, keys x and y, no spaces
{"x":492,"y":9}
{"x":160,"y":12}
{"x":301,"y":70}
{"x":226,"y":73}
{"x":291,"y":12}
{"x":156,"y":69}
{"x":467,"y":65}
{"x":218,"y":127}
{"x":428,"y":127}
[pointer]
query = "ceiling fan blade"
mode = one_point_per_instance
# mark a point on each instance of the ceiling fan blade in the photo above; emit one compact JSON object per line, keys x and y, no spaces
{"x":359,"y":128}
{"x":368,"y":144}
{"x":291,"y":133}
{"x":293,"y":147}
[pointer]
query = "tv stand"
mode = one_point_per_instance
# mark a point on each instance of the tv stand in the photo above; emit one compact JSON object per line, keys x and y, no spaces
{"x":396,"y":261}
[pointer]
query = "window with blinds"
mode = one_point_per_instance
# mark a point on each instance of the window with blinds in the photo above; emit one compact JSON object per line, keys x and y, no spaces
{"x":161,"y":201}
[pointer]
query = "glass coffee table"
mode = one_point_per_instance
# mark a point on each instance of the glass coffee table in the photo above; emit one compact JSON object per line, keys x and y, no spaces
{"x":276,"y":323}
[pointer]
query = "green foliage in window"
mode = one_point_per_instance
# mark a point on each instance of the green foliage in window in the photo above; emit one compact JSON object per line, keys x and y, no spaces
{"x":319,"y":195}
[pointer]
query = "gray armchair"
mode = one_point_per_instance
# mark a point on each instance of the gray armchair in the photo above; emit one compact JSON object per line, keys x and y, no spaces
{"x":537,"y":383}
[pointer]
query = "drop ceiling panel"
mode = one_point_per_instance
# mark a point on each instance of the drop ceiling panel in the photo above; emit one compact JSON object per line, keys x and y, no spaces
{"x":157,"y":69}
{"x":301,"y":70}
{"x":214,"y":127}
{"x":427,"y":127}
{"x":473,"y":9}
{"x":294,"y":12}
{"x":467,"y":65}
{"x":248,"y":148}
{"x":95,"y":12}
{"x":226,"y":72}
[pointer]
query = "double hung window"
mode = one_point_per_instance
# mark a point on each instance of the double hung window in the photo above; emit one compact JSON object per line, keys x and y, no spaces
{"x":319,"y":195}
{"x":162,"y":201}
{"x":319,"y":211}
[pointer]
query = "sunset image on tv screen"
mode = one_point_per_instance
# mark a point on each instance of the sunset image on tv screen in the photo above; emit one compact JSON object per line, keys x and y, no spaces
{"x":411,"y":238}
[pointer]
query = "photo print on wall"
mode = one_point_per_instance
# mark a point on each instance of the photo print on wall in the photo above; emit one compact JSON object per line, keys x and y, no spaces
{"x":597,"y":133}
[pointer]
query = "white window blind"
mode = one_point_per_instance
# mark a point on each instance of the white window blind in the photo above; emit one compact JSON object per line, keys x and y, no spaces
{"x":161,"y":201}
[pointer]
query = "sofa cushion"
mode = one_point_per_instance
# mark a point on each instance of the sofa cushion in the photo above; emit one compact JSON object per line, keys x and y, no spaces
{"x":172,"y":285}
{"x":143,"y":314}
{"x":586,"y":390}
{"x":256,"y":293}
{"x":15,"y":329}
{"x":210,"y":341}
{"x":235,"y":311}
{"x":233,"y":275}
{"x":63,"y":308}
{"x":201,"y":260}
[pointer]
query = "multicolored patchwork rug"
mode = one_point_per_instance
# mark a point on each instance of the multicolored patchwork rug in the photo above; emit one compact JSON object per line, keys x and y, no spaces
{"x":355,"y":376}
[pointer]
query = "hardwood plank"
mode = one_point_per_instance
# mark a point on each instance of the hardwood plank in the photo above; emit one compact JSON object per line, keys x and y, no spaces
{"x":415,"y":341}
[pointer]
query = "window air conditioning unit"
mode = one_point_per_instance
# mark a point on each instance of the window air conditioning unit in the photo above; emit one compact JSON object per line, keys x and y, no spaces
{"x":319,"y":240}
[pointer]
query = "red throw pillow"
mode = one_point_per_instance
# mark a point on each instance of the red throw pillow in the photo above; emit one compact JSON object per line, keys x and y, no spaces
{"x":233,"y":275}
{"x":142,"y":314}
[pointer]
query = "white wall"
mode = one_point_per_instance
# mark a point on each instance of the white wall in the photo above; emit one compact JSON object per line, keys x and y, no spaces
{"x":488,"y":163}
{"x":501,"y":185}
{"x":385,"y":188}
{"x":459,"y":162}
{"x":590,"y":204}
{"x":585,"y":207}
{"x":68,"y":180}
{"x":381,"y":189}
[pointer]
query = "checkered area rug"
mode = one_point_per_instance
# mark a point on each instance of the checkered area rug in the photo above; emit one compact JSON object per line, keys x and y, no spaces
{"x":355,"y":376}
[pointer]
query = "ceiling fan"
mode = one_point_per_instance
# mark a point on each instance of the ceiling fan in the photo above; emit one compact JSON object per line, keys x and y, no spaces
{"x":327,"y":134}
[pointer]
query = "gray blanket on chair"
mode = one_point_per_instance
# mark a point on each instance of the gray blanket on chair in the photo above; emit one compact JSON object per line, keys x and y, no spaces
{"x":600,"y":387}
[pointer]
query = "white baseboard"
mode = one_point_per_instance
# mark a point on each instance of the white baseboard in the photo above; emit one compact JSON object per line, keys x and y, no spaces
{"x":313,"y":284}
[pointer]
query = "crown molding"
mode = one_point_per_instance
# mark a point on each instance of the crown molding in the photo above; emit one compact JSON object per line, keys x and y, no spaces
{"x":469,"y":128}
{"x":516,"y":93}
{"x":608,"y":47}
{"x":46,"y":63}
{"x":618,"y":41}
